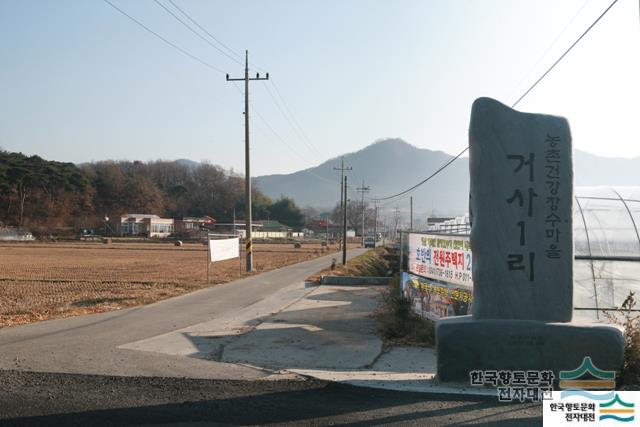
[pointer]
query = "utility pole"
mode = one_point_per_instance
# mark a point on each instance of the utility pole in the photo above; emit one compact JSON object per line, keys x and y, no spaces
{"x":375,"y":223}
{"x":396,"y":221}
{"x":247,"y":168}
{"x":234,"y":221}
{"x":326,"y":234}
{"x":342,"y":169}
{"x":363,"y":190}
{"x":344,"y":223}
{"x":411,"y":213}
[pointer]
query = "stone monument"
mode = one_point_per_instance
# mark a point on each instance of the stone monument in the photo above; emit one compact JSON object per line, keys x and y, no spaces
{"x":521,"y":209}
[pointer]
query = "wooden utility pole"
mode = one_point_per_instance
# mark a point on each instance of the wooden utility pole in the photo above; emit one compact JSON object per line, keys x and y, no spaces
{"x":344,"y":223}
{"x":342,"y":168}
{"x":326,"y":234}
{"x":363,"y":190}
{"x":411,"y":213}
{"x":396,"y":221}
{"x":375,"y":224}
{"x":247,"y":163}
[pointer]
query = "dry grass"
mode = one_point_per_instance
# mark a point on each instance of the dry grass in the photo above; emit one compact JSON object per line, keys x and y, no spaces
{"x":397,"y":323}
{"x":374,"y":262}
{"x":628,"y":377}
{"x":43,"y":281}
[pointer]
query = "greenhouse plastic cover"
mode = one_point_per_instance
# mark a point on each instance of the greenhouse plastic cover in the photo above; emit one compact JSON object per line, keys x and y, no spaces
{"x":607,"y":247}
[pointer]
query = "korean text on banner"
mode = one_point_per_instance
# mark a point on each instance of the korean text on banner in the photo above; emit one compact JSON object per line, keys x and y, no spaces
{"x":224,"y":249}
{"x":446,"y":258}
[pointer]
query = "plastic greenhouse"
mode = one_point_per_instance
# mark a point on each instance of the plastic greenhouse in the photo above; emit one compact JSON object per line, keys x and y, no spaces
{"x":607,"y":247}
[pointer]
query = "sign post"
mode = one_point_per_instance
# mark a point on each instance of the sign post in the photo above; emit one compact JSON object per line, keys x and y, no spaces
{"x":208,"y":258}
{"x":227,"y":247}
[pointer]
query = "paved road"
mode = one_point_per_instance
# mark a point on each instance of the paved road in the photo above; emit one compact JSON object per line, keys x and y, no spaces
{"x":90,"y":344}
{"x":34,"y":399}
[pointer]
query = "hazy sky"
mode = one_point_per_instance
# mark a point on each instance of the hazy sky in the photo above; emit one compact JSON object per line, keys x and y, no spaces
{"x":81,"y":82}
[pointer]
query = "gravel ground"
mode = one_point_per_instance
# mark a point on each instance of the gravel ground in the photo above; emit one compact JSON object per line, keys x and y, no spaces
{"x":33,"y":399}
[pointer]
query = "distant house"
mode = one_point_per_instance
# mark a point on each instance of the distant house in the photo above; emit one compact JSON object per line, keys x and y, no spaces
{"x":146,"y":225}
{"x":260,"y":229}
{"x":191,"y":224}
{"x":273,"y":225}
{"x":237,"y":228}
{"x":321,"y":226}
{"x":13,"y":233}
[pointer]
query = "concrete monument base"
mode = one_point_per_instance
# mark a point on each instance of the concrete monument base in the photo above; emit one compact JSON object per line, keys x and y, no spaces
{"x":464,"y":344}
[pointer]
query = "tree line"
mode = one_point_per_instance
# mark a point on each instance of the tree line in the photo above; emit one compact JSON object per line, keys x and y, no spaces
{"x":47,"y":195}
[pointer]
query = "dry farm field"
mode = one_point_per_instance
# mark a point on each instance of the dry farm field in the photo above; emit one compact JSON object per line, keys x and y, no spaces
{"x":41,"y":281}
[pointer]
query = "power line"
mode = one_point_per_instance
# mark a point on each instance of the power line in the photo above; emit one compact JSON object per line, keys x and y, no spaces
{"x":273,"y":83}
{"x":298,"y":130}
{"x":190,"y":28}
{"x":275,"y":101}
{"x":524,"y":77}
{"x":173,"y":45}
{"x":186,"y":15}
{"x":564,"y":54}
{"x":209,"y":65}
{"x":440,"y":169}
{"x":281,"y":139}
{"x":449,"y":162}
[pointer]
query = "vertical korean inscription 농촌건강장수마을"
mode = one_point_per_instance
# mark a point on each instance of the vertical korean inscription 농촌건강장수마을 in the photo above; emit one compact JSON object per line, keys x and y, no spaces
{"x":521,"y":205}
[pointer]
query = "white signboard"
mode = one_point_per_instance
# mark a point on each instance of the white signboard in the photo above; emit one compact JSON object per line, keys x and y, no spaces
{"x":224,"y":249}
{"x":446,"y":258}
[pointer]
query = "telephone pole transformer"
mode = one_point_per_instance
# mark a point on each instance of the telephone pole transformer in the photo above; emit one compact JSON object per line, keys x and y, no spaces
{"x":247,"y":162}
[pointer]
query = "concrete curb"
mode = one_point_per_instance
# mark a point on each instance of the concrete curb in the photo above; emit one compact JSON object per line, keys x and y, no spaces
{"x":354,"y":280}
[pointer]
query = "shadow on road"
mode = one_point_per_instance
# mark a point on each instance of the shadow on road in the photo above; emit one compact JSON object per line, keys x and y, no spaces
{"x":335,"y":404}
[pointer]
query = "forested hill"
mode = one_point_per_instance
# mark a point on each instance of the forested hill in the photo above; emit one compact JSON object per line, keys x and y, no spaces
{"x":46,"y":195}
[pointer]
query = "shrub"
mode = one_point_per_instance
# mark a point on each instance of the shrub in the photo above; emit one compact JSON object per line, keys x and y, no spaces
{"x":398,"y":324}
{"x":629,"y":376}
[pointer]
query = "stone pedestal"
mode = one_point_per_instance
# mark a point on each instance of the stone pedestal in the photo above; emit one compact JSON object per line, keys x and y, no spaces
{"x":465,"y":344}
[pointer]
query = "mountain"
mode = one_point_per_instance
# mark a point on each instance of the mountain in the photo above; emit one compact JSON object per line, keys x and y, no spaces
{"x":191,"y":164}
{"x":592,"y":170}
{"x":387,"y":166}
{"x":391,"y":165}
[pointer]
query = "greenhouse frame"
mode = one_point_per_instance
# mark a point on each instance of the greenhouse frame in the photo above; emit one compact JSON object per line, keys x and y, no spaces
{"x":607,"y":247}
